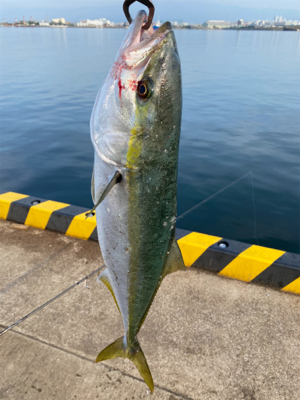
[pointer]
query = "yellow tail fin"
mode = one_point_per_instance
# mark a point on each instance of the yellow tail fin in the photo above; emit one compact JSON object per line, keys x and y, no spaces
{"x":119,"y":348}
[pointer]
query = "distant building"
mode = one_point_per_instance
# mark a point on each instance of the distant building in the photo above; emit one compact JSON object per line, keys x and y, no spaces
{"x":121,"y":24}
{"x":59,"y":21}
{"x":290,"y":22}
{"x":279,"y":19}
{"x":240,"y":22}
{"x":99,"y":23}
{"x":278,"y":24}
{"x":43,"y":23}
{"x":216,"y":24}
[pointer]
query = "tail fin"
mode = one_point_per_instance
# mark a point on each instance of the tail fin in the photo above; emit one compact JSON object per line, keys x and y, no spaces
{"x":119,"y":348}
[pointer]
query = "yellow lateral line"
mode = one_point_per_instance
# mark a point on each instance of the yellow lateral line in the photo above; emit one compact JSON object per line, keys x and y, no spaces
{"x":82,"y":228}
{"x":250,"y":263}
{"x":293,"y":287}
{"x":195,"y":244}
{"x":39,"y":215}
{"x":5,"y":201}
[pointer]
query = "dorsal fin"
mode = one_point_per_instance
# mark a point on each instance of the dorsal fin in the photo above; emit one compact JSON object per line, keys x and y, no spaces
{"x":174,"y":261}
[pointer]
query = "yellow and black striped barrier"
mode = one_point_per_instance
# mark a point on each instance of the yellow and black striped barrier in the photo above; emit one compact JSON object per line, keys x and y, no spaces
{"x":47,"y":214}
{"x":236,"y":260}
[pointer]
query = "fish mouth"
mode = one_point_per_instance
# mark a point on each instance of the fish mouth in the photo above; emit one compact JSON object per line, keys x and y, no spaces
{"x":139,"y":35}
{"x":141,"y":43}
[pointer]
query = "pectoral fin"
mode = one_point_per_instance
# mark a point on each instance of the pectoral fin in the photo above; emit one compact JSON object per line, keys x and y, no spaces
{"x":104,"y":278}
{"x":116,"y":179}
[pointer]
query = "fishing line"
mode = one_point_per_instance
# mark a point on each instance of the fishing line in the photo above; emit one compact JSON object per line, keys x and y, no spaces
{"x":180,"y":217}
{"x":49,"y":301}
{"x":254,"y":210}
{"x":215,"y":194}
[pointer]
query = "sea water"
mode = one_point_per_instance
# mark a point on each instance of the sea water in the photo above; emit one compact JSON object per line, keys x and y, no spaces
{"x":241,"y":113}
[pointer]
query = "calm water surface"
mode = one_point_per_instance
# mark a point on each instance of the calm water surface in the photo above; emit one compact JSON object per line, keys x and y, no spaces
{"x":240,"y":113}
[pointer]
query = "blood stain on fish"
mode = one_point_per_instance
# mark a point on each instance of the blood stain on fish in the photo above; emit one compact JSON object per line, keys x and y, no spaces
{"x":120,"y":87}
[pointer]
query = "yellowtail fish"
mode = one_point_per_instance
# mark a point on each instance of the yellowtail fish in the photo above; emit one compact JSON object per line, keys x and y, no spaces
{"x":135,"y":129}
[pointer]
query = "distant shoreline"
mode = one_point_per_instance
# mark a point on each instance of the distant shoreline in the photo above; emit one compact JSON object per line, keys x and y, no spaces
{"x":294,"y":28}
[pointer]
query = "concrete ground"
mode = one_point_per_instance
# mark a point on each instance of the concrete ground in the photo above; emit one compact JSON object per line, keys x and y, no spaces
{"x":205,"y":337}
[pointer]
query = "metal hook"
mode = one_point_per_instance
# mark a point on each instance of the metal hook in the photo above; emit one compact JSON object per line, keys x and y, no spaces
{"x":147,"y":3}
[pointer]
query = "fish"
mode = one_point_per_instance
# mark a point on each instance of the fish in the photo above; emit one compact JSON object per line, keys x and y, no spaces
{"x":135,"y":131}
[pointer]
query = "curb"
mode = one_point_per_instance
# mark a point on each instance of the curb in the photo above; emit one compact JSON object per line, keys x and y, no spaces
{"x":228,"y":258}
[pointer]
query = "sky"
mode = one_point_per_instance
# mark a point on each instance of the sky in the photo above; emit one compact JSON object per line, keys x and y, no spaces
{"x":192,"y":11}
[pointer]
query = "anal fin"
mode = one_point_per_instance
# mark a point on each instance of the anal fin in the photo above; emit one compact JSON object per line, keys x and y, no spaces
{"x":104,"y":278}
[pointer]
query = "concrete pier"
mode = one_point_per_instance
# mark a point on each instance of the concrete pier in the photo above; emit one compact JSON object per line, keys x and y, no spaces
{"x":206,"y":337}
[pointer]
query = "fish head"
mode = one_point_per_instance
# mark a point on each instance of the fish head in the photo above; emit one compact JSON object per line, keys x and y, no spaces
{"x":140,"y":100}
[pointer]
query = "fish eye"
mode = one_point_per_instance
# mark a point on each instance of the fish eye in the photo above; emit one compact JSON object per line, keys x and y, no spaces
{"x":144,"y":89}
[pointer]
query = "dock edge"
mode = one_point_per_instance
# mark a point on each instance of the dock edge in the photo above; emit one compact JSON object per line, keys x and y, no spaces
{"x":228,"y":258}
